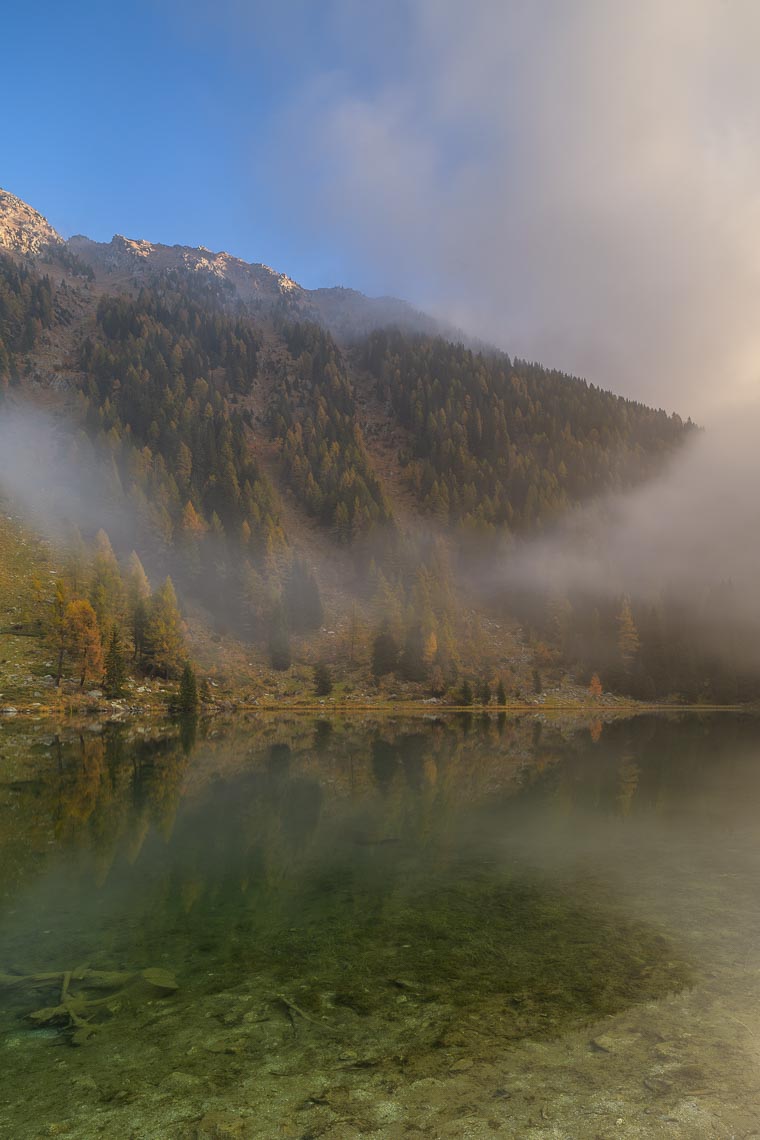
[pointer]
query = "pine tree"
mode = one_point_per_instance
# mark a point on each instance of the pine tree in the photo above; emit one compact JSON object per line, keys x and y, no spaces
{"x":187,"y":697}
{"x":501,"y":693}
{"x":559,"y":621}
{"x":538,"y":686}
{"x":484,"y":692}
{"x":279,"y":641}
{"x":628,"y":638}
{"x":323,"y":682}
{"x":412,"y":664}
{"x":115,"y":672}
{"x":385,"y":652}
{"x":465,"y":693}
{"x":595,"y":687}
{"x":303,"y":605}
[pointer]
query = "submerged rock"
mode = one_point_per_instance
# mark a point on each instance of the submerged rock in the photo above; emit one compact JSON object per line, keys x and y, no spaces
{"x":221,"y":1126}
{"x":180,"y":1082}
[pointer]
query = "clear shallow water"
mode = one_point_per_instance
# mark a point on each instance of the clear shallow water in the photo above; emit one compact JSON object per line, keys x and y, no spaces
{"x":385,"y":927}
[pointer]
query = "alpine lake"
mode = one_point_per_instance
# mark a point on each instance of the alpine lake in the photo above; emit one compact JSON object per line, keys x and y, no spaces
{"x":460,"y":926}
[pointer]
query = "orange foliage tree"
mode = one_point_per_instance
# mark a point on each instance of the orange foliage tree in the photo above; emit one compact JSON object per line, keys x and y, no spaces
{"x":83,"y":641}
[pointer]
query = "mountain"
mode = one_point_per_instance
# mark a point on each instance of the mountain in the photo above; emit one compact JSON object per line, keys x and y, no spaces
{"x":317,"y":470}
{"x":22,"y":229}
{"x":143,"y":261}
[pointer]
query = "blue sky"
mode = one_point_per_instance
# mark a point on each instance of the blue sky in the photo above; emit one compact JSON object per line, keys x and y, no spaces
{"x":577,"y":182}
{"x":160,"y":120}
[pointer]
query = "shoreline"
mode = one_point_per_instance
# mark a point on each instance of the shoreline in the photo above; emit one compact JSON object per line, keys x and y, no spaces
{"x":114,"y":715}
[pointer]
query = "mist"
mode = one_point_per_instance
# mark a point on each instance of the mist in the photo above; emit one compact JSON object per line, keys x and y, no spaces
{"x":58,"y":479}
{"x":577,"y":184}
{"x":697,"y":524}
{"x":689,"y":538}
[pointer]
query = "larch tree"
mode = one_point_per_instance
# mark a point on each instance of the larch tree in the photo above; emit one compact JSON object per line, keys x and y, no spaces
{"x":57,"y":627}
{"x":83,"y":643}
{"x":106,"y":591}
{"x":138,"y":595}
{"x":164,"y":637}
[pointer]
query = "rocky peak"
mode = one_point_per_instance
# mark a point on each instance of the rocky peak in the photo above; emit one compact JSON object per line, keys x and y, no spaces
{"x":23,"y":229}
{"x":125,"y":261}
{"x":137,"y":257}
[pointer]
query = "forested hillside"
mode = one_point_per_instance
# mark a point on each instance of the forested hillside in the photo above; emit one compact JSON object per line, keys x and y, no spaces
{"x":26,"y":307}
{"x":326,"y":503}
{"x":496,"y":443}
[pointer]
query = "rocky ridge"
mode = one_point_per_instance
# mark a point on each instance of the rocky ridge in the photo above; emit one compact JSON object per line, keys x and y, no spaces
{"x":140,"y":258}
{"x":23,"y":229}
{"x":346,"y":312}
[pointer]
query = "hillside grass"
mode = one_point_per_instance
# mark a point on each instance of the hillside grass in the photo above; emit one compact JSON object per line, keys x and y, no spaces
{"x":26,"y":571}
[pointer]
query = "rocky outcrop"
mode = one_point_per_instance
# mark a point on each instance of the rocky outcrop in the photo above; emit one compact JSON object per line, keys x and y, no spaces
{"x":142,"y":259}
{"x":22,"y":229}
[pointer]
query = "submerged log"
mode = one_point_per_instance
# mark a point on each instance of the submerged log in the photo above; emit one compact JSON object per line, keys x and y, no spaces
{"x":75,"y":1011}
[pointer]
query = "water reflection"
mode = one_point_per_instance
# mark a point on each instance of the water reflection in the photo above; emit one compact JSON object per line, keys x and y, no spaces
{"x":367,"y":904}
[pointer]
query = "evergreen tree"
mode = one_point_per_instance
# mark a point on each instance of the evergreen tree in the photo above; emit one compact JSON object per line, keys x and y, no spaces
{"x":412,"y":664}
{"x":465,"y":693}
{"x":501,"y":693}
{"x":303,"y":605}
{"x":115,"y":670}
{"x":323,"y":682}
{"x":385,"y":652}
{"x":187,"y":697}
{"x":484,"y":692}
{"x":279,"y":641}
{"x":628,"y":638}
{"x":538,"y":686}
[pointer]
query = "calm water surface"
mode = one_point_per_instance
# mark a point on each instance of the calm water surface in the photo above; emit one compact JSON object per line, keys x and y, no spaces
{"x":386,"y":927}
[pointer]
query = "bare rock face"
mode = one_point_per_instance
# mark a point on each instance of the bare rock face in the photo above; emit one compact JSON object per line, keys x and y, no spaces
{"x":140,"y":259}
{"x":23,"y":229}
